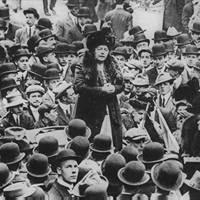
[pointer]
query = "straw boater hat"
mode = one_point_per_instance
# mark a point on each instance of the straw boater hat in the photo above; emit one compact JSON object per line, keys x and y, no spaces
{"x":163,"y":77}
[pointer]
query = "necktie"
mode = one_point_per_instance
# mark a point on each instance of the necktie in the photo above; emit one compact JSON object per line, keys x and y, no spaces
{"x":29,"y":32}
{"x":163,"y":102}
{"x":18,"y":120}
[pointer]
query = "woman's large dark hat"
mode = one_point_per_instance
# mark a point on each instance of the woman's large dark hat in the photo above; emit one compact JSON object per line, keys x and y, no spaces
{"x":32,"y":11}
{"x":99,"y":38}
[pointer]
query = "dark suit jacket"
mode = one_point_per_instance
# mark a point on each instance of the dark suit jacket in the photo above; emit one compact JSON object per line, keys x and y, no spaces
{"x":152,"y":74}
{"x":188,"y":11}
{"x":74,"y":34}
{"x":63,"y":119}
{"x":11,"y":31}
{"x":25,"y":121}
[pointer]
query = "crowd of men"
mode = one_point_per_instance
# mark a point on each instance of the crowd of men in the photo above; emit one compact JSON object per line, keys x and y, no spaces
{"x":47,"y":153}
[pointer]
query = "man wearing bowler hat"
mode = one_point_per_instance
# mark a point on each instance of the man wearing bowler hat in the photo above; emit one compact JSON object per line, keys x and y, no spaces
{"x":67,"y":169}
{"x":76,"y":32}
{"x":195,"y":34}
{"x":23,"y":34}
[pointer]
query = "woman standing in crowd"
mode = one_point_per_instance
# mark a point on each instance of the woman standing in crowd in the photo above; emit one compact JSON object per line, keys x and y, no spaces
{"x":97,"y":81}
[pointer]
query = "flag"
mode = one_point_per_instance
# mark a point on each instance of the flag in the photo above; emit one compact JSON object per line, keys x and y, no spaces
{"x":170,"y":142}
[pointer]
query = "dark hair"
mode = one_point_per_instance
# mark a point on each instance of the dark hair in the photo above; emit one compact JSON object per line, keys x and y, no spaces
{"x":45,"y":108}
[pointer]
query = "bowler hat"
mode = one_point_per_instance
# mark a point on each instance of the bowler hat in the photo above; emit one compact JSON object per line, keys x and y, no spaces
{"x":64,"y":48}
{"x":160,"y":36}
{"x":88,"y":29}
{"x":37,"y":165}
{"x":72,"y":3}
{"x":196,"y":27}
{"x":96,"y":192}
{"x":133,"y":174}
{"x":7,"y":83}
{"x":18,"y":190}
{"x":183,"y":39}
{"x":48,"y":145}
{"x":45,"y":34}
{"x":44,"y":23}
{"x":176,"y":65}
{"x":34,"y":88}
{"x":10,"y":153}
{"x":17,"y":133}
{"x":140,"y":38}
{"x":163,"y":77}
{"x":152,"y":153}
{"x":14,"y":99}
{"x":80,"y":145}
{"x":191,"y":50}
{"x":61,"y":88}
{"x":77,"y":127}
{"x":6,"y":176}
{"x":7,"y":68}
{"x":111,"y":165}
{"x":37,"y":70}
{"x":51,"y":74}
{"x":136,"y":30}
{"x":167,"y":175}
{"x":21,"y":52}
{"x":32,"y":42}
{"x":169,"y":46}
{"x":32,"y":11}
{"x":141,"y":80}
{"x":43,"y":49}
{"x":158,"y":50}
{"x":83,"y":12}
{"x":67,"y":154}
{"x":144,"y":50}
{"x":121,"y":51}
{"x":3,"y":24}
{"x":172,"y":32}
{"x":99,"y":38}
{"x":101,"y":144}
{"x":130,"y":153}
{"x":4,"y":13}
{"x":194,"y":182}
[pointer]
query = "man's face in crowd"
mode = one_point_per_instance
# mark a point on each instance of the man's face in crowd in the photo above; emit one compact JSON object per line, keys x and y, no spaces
{"x":140,"y":89}
{"x":14,"y":76}
{"x":71,"y":59}
{"x":52,"y":115}
{"x":170,"y":56}
{"x":51,"y":84}
{"x":51,"y":42}
{"x":69,"y":97}
{"x":35,"y":99}
{"x":62,"y":59}
{"x":145,"y":59}
{"x":196,"y":37}
{"x":159,"y":62}
{"x":128,"y":86}
{"x":17,"y":109}
{"x":164,"y":88}
{"x":138,"y":115}
{"x":84,"y":20}
{"x":50,"y":58}
{"x":74,"y":11}
{"x":23,"y":63}
{"x":101,"y":53}
{"x":30,"y":19}
{"x":141,"y":45}
{"x":68,"y":171}
{"x":191,"y":60}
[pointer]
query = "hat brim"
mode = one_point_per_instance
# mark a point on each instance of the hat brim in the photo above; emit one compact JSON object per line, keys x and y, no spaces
{"x":50,"y":78}
{"x":8,"y":87}
{"x":145,"y":40}
{"x":144,"y":179}
{"x":10,"y":105}
{"x":160,"y":39}
{"x":182,"y":44}
{"x":39,"y":175}
{"x":159,"y":54}
{"x":10,"y":178}
{"x":100,"y":151}
{"x":8,"y":72}
{"x":35,"y":74}
{"x":18,"y":159}
{"x":195,"y":31}
{"x":191,"y":53}
{"x":76,"y":158}
{"x":21,"y":55}
{"x":36,"y":150}
{"x":167,"y":80}
{"x":178,"y":184}
{"x":87,"y":133}
{"x":141,"y":159}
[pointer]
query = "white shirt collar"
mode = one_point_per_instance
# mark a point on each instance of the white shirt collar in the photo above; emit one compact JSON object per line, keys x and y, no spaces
{"x":65,"y":184}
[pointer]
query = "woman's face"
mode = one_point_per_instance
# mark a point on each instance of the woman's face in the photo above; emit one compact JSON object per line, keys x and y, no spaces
{"x":101,"y":53}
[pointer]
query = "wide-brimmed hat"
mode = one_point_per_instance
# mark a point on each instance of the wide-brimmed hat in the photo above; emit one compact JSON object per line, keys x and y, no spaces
{"x":191,"y":50}
{"x":83,"y":12}
{"x":64,"y":48}
{"x":14,"y":99}
{"x":80,"y":145}
{"x":48,"y":145}
{"x":45,"y":34}
{"x":77,"y":127}
{"x":169,"y":46}
{"x":21,"y":52}
{"x":10,"y":153}
{"x":183,"y":39}
{"x":141,"y":80}
{"x":4,"y":12}
{"x":102,"y":143}
{"x":158,"y":50}
{"x":163,"y":77}
{"x":7,"y":68}
{"x":194,"y":182}
{"x":3,"y":24}
{"x":88,"y":29}
{"x":67,"y":154}
{"x":129,"y":152}
{"x":44,"y":23}
{"x":160,"y":35}
{"x":133,"y":174}
{"x":196,"y":27}
{"x":140,"y":38}
{"x":32,"y":11}
{"x":43,"y":49}
{"x":7,"y":83}
{"x":172,"y":32}
{"x":99,"y":38}
{"x":18,"y":190}
{"x":38,"y":166}
{"x":153,"y":152}
{"x":176,"y":65}
{"x":111,"y":165}
{"x":61,"y":88}
{"x":51,"y":74}
{"x":136,"y":30}
{"x":37,"y":70}
{"x":15,"y":132}
{"x":6,"y":176}
{"x":167,"y":175}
